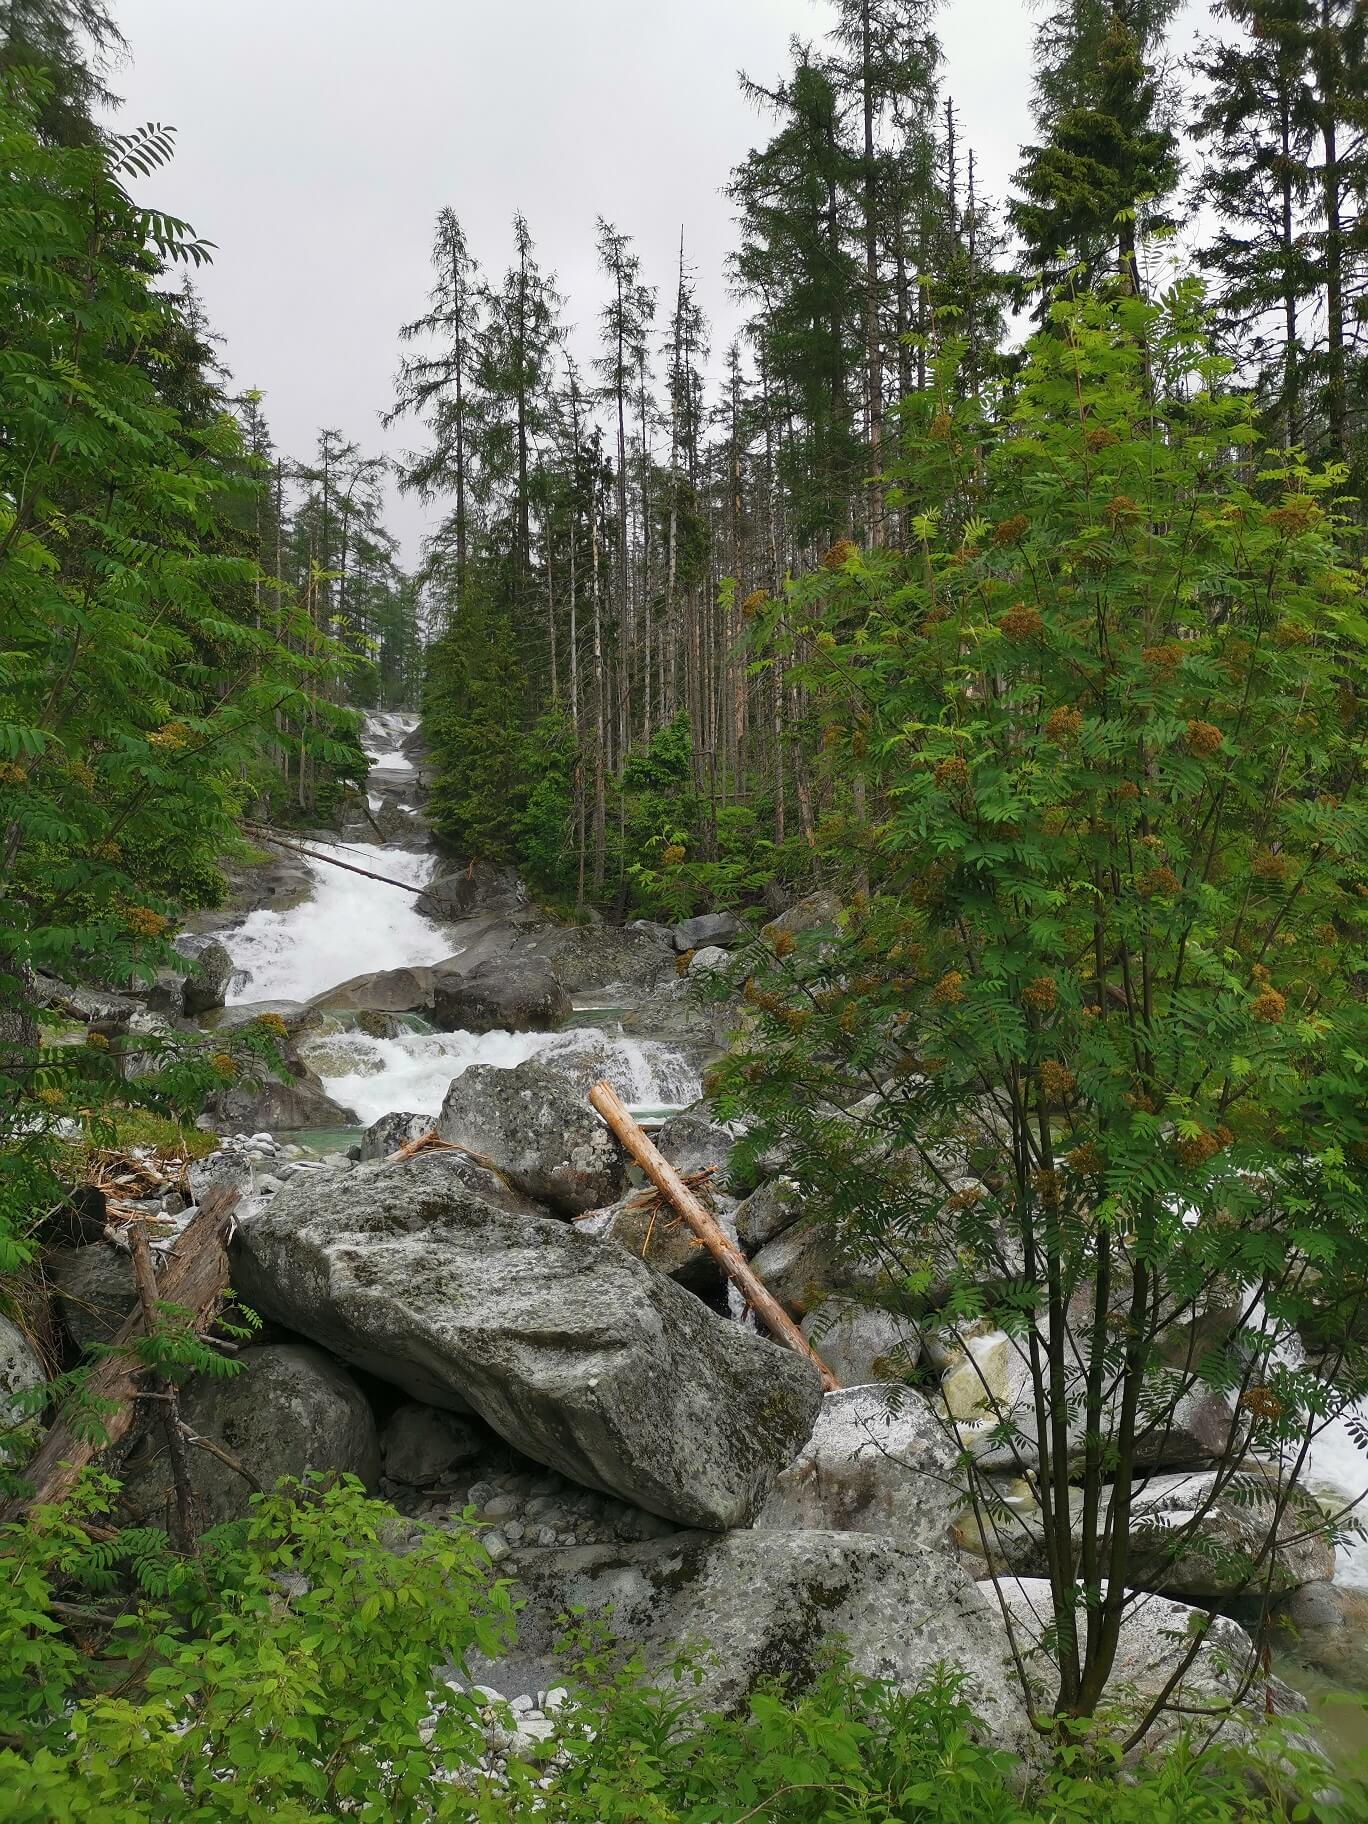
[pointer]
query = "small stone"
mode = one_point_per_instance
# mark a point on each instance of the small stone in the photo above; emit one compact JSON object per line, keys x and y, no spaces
{"x":521,"y":1704}
{"x":502,"y":1507}
{"x":557,"y":1696}
{"x":496,"y":1545}
{"x":546,"y":1536}
{"x":514,"y":1531}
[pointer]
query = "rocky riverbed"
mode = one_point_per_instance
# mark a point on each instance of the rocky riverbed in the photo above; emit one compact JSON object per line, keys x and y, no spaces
{"x":507,"y":1331}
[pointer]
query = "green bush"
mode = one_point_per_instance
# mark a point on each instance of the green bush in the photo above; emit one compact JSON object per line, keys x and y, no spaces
{"x":294,"y":1671}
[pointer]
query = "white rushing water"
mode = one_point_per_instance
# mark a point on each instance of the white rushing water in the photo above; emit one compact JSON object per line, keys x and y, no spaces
{"x":352,"y":925}
{"x":381,"y":738}
{"x":414,"y":1070}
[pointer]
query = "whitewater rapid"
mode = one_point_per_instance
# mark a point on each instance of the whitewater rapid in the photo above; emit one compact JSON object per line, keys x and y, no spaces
{"x":362,"y":917}
{"x":351,"y":925}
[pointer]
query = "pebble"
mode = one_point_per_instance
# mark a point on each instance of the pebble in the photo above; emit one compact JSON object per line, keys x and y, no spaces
{"x":502,"y":1507}
{"x":496,"y":1545}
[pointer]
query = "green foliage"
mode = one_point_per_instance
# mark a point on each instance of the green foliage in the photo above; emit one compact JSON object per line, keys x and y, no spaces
{"x":145,"y":663}
{"x":1106,"y":723}
{"x":293,"y":1671}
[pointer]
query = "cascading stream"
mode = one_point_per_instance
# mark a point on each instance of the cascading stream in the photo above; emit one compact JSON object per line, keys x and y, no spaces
{"x":354,"y":925}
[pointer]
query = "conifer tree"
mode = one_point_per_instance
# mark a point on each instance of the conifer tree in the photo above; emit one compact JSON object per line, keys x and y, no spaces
{"x":1107,"y":159}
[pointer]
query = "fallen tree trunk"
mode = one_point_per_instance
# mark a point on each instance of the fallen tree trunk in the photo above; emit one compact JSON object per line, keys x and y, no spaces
{"x":604,"y":1099}
{"x":195,"y":1276}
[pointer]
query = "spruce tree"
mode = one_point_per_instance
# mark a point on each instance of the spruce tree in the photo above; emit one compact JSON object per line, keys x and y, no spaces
{"x":1107,"y":159}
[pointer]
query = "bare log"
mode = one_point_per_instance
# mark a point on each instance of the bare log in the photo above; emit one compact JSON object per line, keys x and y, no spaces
{"x":604,"y":1099}
{"x":145,"y":1278}
{"x":195,"y":1276}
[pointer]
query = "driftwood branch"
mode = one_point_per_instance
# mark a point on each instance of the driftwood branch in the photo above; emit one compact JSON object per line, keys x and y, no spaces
{"x":331,"y":861}
{"x":145,"y":1278}
{"x":196,"y":1273}
{"x":606,"y":1101}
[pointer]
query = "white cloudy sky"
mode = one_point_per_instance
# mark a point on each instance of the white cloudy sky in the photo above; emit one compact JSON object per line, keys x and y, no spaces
{"x":318,"y":139}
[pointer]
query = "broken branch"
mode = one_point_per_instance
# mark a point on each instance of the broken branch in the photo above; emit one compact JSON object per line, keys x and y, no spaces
{"x":604,"y":1099}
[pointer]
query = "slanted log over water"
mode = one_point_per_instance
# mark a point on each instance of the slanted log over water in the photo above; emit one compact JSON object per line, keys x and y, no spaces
{"x":195,"y":1277}
{"x":604,"y":1099}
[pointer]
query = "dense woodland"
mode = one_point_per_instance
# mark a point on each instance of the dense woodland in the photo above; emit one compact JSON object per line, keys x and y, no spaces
{"x":1003,"y":580}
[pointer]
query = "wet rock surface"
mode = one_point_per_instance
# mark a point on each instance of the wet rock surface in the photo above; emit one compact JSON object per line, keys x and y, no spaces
{"x":580,"y":1356}
{"x":535,"y":1123}
{"x":289,"y":1409}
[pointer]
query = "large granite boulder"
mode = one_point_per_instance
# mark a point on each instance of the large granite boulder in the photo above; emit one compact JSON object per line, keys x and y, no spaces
{"x":206,"y":986}
{"x":872,"y":1466}
{"x":767,"y":1604}
{"x":806,"y":1263}
{"x":407,"y":990}
{"x":862,"y":1343}
{"x":709,"y":928}
{"x":693,"y":1142}
{"x":535,"y":1123}
{"x":392,"y":1131}
{"x":421,"y":1444}
{"x":577,"y":1354}
{"x":818,"y":911}
{"x":768,"y":1211}
{"x":508,"y":994}
{"x":292,"y":1015}
{"x":289,"y":1409}
{"x":277,"y":1104}
{"x":95,"y":1291}
{"x":986,"y":1383}
{"x":653,"y":1233}
{"x":466,"y":892}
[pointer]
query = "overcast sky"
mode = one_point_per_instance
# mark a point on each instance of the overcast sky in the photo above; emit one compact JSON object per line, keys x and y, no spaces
{"x":318,"y":139}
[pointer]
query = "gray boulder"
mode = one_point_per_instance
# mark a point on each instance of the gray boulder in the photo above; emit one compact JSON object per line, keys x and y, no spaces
{"x":511,"y":994}
{"x":577,"y":1354}
{"x":710,"y":957}
{"x":1241,"y":1542}
{"x":465,"y":892}
{"x":806,"y":1263}
{"x":1154,"y":1639}
{"x":291,"y":1014}
{"x":206,"y":987}
{"x":663,"y":1240}
{"x":535,"y":1123}
{"x":862,"y":1343}
{"x":289,"y":1409}
{"x":392,"y":1131}
{"x":95,"y":1291}
{"x":692,"y":1141}
{"x":872,"y":1467}
{"x":277,"y":1104}
{"x":420,"y":1444}
{"x":767,"y":1212}
{"x":817,"y":911}
{"x":381,"y":991}
{"x":767,"y":1604}
{"x":709,"y":928}
{"x":20,"y":1369}
{"x":1186,"y":1540}
{"x":987,"y":1380}
{"x":101,"y":1007}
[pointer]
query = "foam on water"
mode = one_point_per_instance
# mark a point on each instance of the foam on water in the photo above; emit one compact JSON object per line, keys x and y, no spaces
{"x":413,"y":1071}
{"x":1338,"y":1464}
{"x":381,"y":738}
{"x":349,"y":927}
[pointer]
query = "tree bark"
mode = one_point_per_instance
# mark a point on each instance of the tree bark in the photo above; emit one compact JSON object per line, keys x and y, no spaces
{"x":194,"y":1278}
{"x":606,"y":1101}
